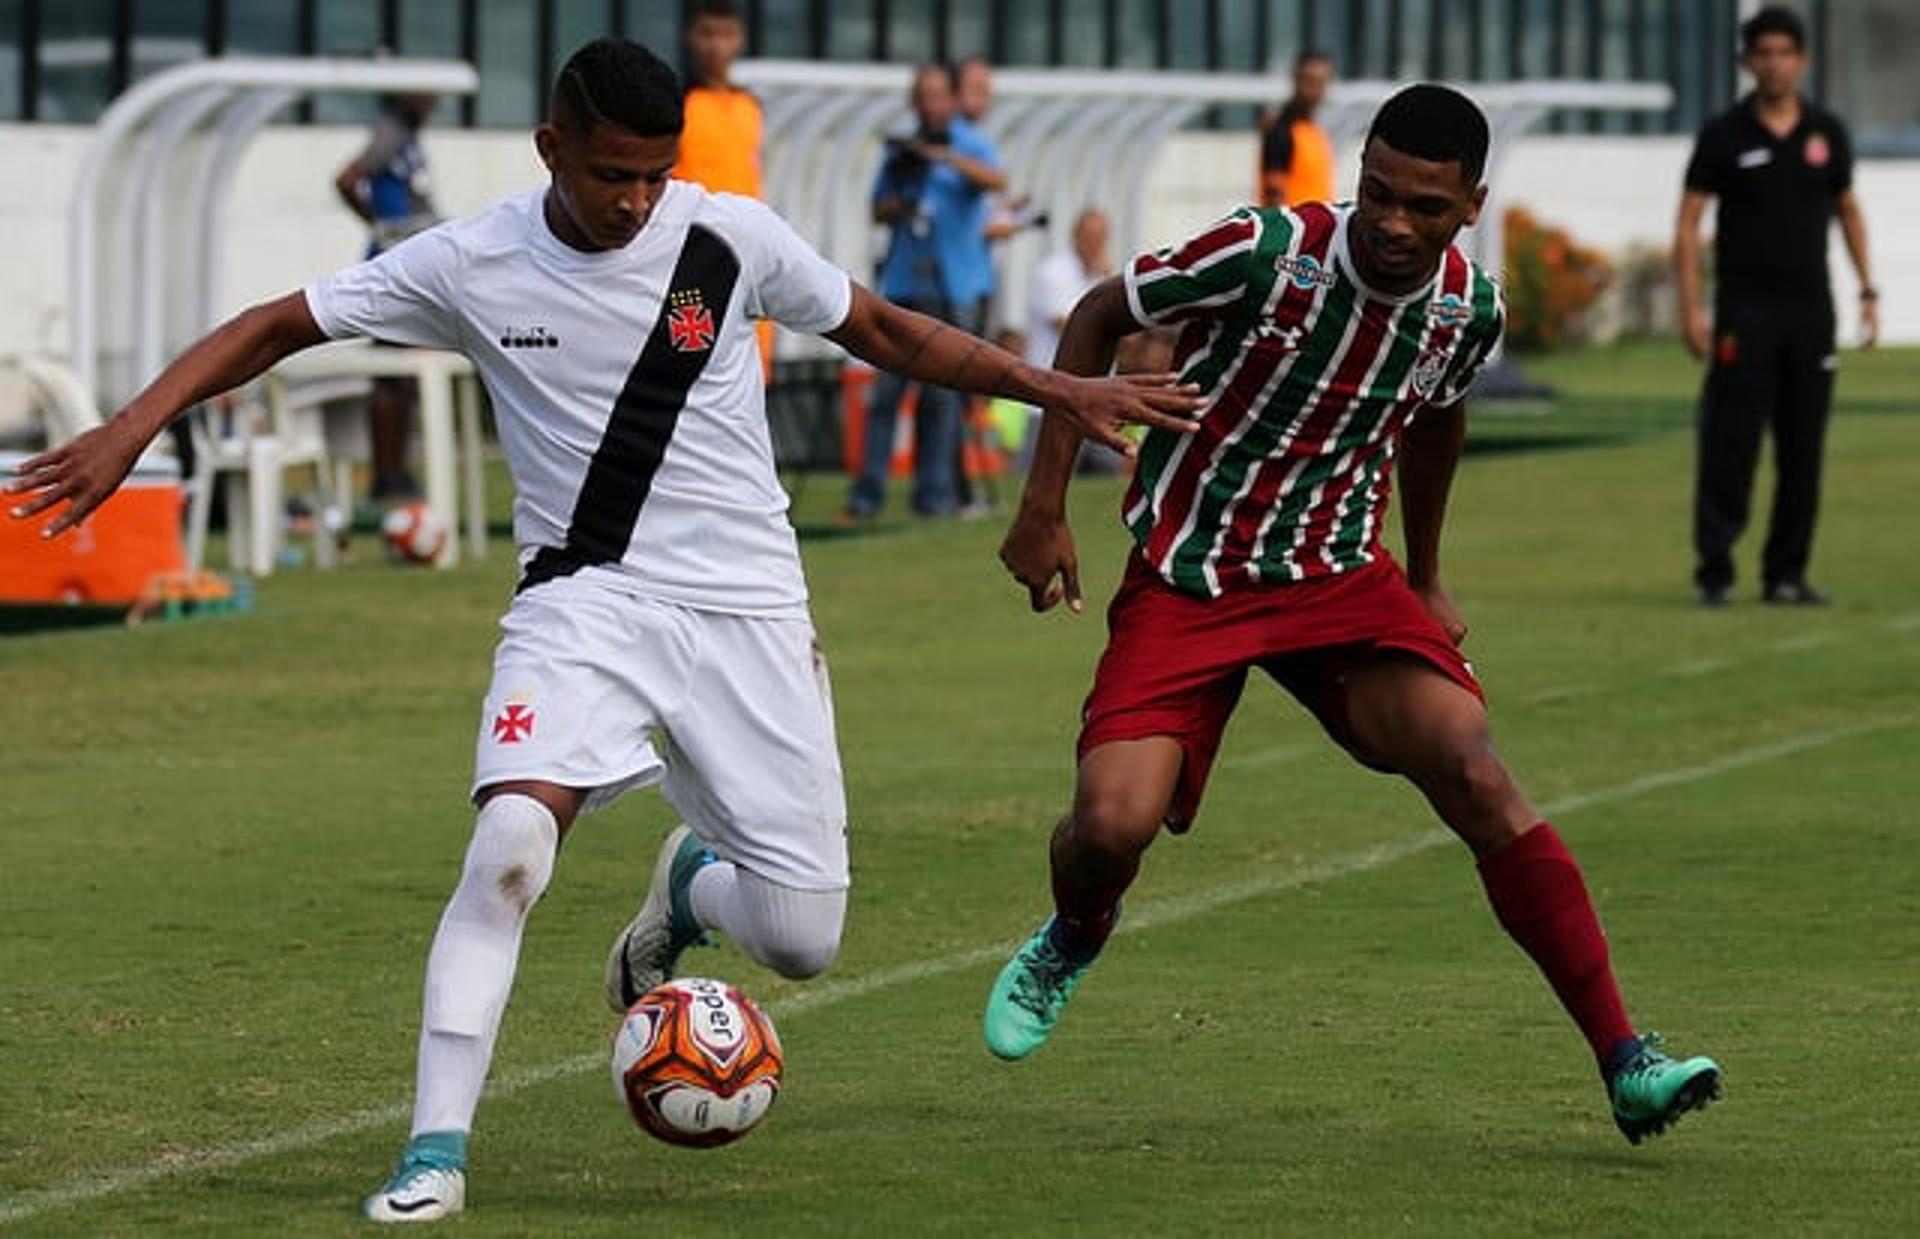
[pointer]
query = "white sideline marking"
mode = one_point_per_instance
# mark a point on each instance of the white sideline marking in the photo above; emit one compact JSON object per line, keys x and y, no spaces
{"x":1905,"y":623}
{"x":1699,"y":666}
{"x":1564,"y":692}
{"x":1809,"y":641}
{"x":80,"y":1190}
{"x":1273,"y":755}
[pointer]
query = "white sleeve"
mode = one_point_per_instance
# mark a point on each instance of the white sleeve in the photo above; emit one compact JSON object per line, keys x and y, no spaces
{"x":787,"y":279}
{"x":401,"y":296}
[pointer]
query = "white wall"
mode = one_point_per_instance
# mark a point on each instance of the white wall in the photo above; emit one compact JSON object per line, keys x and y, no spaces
{"x":286,"y":227}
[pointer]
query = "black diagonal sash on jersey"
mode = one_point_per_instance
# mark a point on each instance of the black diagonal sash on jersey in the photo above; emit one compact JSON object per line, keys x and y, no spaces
{"x":644,"y":415}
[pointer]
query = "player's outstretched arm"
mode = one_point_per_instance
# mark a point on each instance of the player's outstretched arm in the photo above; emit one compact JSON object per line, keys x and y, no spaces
{"x":1429,"y":453}
{"x":83,"y":472}
{"x":1038,"y":549}
{"x":927,"y":349}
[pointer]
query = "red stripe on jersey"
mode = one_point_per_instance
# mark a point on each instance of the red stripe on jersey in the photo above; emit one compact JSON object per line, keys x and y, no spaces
{"x":1324,"y":414}
{"x":1232,"y":231}
{"x":1319,"y":520}
{"x":1318,"y":525}
{"x":1232,"y":406}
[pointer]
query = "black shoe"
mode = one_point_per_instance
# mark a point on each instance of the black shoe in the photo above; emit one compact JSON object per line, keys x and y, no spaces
{"x":1712,"y":596}
{"x":395,"y":488}
{"x":1793,"y":594}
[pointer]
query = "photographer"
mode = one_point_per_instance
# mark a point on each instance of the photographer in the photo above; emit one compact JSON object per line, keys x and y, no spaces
{"x":932,"y":194}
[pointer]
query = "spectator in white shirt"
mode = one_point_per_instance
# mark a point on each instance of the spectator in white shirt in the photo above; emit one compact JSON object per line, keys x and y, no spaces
{"x":1057,"y":284}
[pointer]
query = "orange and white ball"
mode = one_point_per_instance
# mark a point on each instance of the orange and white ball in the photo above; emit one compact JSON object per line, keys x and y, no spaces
{"x":696,"y":1062}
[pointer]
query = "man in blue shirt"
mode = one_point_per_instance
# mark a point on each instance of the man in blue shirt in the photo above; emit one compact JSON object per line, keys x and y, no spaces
{"x":932,"y":193}
{"x":386,"y":185}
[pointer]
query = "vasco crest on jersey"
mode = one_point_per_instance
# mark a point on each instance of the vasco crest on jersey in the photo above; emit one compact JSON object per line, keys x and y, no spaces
{"x":690,"y":327}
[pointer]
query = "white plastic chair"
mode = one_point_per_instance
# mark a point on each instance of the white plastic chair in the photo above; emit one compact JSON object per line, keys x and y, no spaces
{"x":66,"y":408}
{"x":244,"y":445}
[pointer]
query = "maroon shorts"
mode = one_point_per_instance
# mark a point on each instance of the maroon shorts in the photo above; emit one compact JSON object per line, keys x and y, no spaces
{"x":1175,"y":663}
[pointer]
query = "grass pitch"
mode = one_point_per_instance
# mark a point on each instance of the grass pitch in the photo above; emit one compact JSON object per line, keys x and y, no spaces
{"x":225,"y":843}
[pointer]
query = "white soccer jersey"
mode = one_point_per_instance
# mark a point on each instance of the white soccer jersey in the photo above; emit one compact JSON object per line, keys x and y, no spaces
{"x":626,"y":383}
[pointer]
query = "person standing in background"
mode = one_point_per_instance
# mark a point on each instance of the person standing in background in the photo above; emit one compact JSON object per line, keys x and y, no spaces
{"x":720,"y":149}
{"x":931,"y":192}
{"x":1296,"y":156}
{"x":1782,"y":169}
{"x":973,"y":89}
{"x":387,"y":186}
{"x":1061,"y":279}
{"x":1058,"y":283}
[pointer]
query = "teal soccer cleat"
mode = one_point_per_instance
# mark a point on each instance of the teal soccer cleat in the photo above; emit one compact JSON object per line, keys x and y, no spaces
{"x":1650,"y":1090}
{"x":1029,"y":995}
{"x":645,"y":953}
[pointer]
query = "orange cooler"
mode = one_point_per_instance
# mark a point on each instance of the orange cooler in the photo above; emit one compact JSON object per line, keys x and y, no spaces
{"x":111,"y":559}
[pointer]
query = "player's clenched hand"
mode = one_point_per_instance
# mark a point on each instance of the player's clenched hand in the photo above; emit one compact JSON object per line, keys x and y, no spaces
{"x":1098,"y":408}
{"x":1038,"y":549}
{"x":1439,"y":604}
{"x":82,"y":472}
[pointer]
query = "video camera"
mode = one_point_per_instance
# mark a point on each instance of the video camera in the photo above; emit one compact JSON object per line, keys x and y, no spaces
{"x":907,"y":159}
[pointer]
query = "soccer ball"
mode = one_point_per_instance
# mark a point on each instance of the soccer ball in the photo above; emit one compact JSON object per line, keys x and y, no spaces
{"x":696,"y":1062}
{"x":414,"y":533}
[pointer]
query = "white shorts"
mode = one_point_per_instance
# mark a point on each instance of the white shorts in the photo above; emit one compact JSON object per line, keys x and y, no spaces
{"x":598,"y":688}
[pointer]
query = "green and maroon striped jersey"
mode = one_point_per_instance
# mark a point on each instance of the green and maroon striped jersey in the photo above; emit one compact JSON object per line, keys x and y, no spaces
{"x":1310,"y":379}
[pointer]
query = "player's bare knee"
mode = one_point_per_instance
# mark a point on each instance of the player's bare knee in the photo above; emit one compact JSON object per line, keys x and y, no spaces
{"x":1476,"y":794}
{"x":1472,"y":773}
{"x":1117,"y":821}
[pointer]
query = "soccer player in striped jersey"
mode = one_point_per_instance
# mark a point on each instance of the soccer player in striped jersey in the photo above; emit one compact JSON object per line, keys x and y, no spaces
{"x":1333,"y":343}
{"x":611,"y":315}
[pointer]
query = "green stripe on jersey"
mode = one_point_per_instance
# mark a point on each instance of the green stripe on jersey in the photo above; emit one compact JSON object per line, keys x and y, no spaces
{"x":1206,"y":369}
{"x":1169,"y":288}
{"x":1404,"y":325}
{"x":1347,"y":545}
{"x":1274,"y":418}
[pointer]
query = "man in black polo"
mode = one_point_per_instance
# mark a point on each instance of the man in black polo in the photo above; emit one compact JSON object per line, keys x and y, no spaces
{"x":1781,"y":168}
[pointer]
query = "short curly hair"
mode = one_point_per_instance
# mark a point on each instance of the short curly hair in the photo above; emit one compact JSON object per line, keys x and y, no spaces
{"x":614,"y":81}
{"x":1773,"y":19}
{"x":1430,"y":121}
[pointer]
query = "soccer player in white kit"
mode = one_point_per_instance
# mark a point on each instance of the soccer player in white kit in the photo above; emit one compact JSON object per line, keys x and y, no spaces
{"x":610,"y":316}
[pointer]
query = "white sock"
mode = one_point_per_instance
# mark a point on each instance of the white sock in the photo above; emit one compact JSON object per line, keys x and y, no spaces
{"x":451,"y":1072}
{"x":794,"y":932}
{"x":470,"y":969}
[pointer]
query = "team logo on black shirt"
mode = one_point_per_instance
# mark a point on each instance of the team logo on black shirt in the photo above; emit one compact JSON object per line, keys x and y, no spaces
{"x":1818,"y":150}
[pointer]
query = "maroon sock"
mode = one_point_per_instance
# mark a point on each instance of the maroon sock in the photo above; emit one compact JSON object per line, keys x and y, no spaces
{"x":1537,"y":892}
{"x":1086,"y":902}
